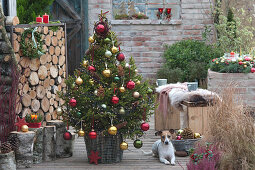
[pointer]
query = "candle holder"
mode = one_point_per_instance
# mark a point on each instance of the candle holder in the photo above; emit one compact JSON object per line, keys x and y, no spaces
{"x":159,"y":13}
{"x":168,"y":13}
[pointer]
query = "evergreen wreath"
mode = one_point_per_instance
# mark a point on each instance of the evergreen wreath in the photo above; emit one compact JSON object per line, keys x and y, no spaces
{"x":28,"y":46}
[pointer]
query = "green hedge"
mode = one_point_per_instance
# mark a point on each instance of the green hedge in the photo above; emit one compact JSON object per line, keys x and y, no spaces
{"x":187,"y":60}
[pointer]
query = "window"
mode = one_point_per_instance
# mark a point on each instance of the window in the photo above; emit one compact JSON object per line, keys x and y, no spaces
{"x":145,"y":9}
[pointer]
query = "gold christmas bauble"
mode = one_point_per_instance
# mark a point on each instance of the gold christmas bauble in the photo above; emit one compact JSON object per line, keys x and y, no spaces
{"x":114,"y":49}
{"x":24,"y":128}
{"x":197,"y":135}
{"x":123,"y":146}
{"x":136,"y":94}
{"x":112,"y":130}
{"x":122,"y":111}
{"x":85,"y":63}
{"x":107,"y":73}
{"x":91,"y":39}
{"x":95,"y":92}
{"x":122,"y":89}
{"x":81,"y":133}
{"x":244,"y":66}
{"x":91,"y":81}
{"x":137,"y":82}
{"x":79,"y":81}
{"x":59,"y":111}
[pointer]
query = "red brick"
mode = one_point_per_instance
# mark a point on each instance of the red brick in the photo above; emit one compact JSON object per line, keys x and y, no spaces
{"x":145,"y":38}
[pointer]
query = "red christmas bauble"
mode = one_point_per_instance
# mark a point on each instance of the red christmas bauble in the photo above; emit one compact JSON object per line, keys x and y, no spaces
{"x":92,"y":135}
{"x":115,"y":99}
{"x":130,"y":85}
{"x":91,"y":68}
{"x":120,"y":57}
{"x":67,"y":136}
{"x":240,"y":63}
{"x":178,"y":138}
{"x":72,"y":102}
{"x":145,"y":126}
{"x":252,"y":70}
{"x":100,"y":28}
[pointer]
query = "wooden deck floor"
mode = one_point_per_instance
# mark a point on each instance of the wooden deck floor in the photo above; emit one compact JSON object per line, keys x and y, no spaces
{"x":133,"y":159}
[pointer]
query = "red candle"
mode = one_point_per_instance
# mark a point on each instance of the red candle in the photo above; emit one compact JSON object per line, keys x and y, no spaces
{"x":168,"y":10}
{"x":160,"y":10}
{"x":39,"y":19}
{"x":45,"y":18}
{"x":232,"y":54}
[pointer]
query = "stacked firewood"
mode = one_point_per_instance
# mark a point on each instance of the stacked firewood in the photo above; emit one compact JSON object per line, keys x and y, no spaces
{"x":41,"y":78}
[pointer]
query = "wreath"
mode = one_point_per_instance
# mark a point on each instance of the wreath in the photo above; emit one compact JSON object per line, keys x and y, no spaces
{"x":31,"y":43}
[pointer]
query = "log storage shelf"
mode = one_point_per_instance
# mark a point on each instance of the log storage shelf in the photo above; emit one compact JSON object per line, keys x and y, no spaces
{"x":41,"y":78}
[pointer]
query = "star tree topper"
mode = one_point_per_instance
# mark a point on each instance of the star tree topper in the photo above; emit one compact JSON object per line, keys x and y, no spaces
{"x":20,"y":122}
{"x":94,"y":157}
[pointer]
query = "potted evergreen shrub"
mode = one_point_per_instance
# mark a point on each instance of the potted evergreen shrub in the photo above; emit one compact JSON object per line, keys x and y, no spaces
{"x":34,"y":120}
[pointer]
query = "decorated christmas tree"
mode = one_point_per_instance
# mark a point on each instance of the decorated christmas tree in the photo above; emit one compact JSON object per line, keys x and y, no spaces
{"x":106,"y":95}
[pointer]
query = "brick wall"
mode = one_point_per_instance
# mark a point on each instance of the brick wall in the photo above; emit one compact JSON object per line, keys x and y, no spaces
{"x":145,"y":39}
{"x":244,"y":85}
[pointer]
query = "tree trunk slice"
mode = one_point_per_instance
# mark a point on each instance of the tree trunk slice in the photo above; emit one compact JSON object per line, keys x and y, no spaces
{"x":40,"y":92}
{"x":51,"y":33}
{"x":48,"y":65}
{"x":55,"y":59}
{"x":48,"y":94}
{"x":59,"y":87}
{"x":52,"y":82}
{"x":46,"y":83}
{"x":45,"y":30}
{"x":18,"y":108}
{"x":22,"y":79}
{"x":52,"y":101}
{"x":48,"y":117}
{"x":61,"y":101}
{"x":57,"y":97}
{"x":63,"y":50}
{"x":16,"y":46}
{"x":63,"y":84}
{"x":59,"y":34}
{"x":59,"y":80}
{"x":44,"y":59}
{"x":35,"y":105}
{"x":20,"y":86}
{"x":64,"y":67}
{"x":19,"y":38}
{"x":32,"y":94}
{"x":45,"y":104}
{"x":45,"y":48}
{"x":27,"y":72}
{"x":51,"y":50}
{"x":47,"y":40}
{"x":57,"y":51}
{"x":54,"y":41}
{"x":34,"y":79}
{"x":14,"y":36}
{"x":17,"y":57}
{"x":54,"y":115}
{"x":7,"y":58}
{"x":12,"y":20}
{"x":60,"y":43}
{"x":51,"y":110}
{"x":63,"y":34}
{"x":26,"y":100}
{"x":35,"y":63}
{"x":48,"y":57}
{"x":62,"y":60}
{"x":25,"y":62}
{"x":56,"y":104}
{"x":25,"y":88}
{"x":53,"y":71}
{"x":42,"y":72}
{"x":60,"y":72}
{"x":39,"y":29}
{"x":26,"y":111}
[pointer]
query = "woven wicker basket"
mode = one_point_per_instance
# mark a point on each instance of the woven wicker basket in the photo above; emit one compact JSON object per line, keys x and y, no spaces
{"x":107,"y":146}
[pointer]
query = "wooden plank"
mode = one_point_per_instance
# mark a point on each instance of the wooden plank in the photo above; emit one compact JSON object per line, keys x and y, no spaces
{"x":37,"y":25}
{"x":198,"y":119}
{"x":12,"y":8}
{"x":67,"y":7}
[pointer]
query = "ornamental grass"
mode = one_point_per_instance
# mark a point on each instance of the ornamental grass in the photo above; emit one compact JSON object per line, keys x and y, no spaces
{"x":232,"y":129}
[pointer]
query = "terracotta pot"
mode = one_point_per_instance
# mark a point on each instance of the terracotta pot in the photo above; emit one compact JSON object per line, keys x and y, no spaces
{"x":34,"y":125}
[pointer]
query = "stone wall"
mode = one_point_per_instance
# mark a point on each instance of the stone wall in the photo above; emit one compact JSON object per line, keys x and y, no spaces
{"x":145,"y":39}
{"x":244,"y":84}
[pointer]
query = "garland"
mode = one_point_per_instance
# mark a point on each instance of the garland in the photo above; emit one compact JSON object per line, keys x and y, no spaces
{"x":31,"y":43}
